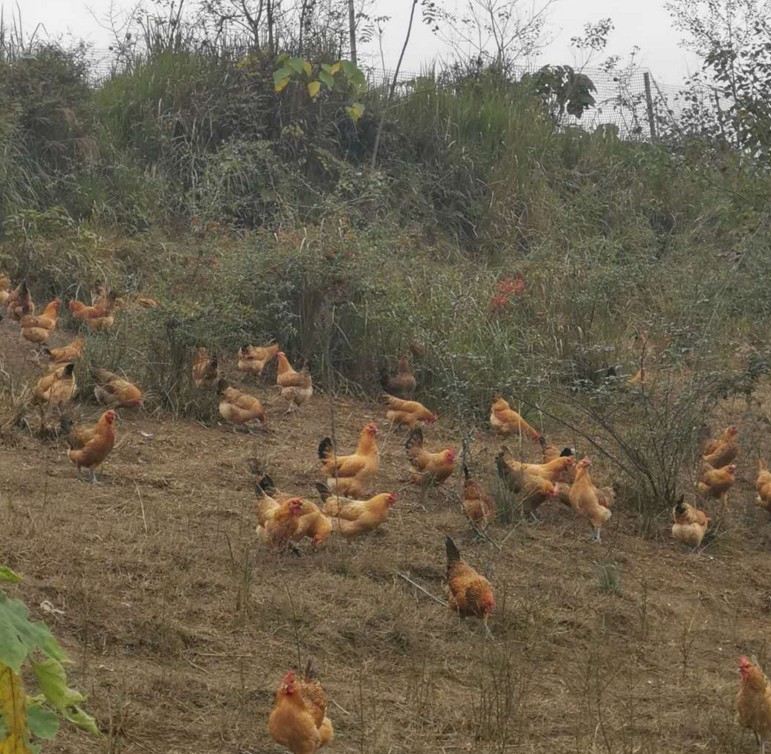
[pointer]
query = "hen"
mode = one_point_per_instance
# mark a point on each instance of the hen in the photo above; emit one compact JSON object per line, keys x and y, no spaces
{"x":5,"y":288}
{"x":427,"y":468}
{"x":400,"y":385}
{"x":533,"y":490}
{"x":690,"y":524}
{"x":470,"y":593}
{"x":506,"y":421}
{"x":89,"y":446}
{"x":296,"y":387}
{"x":753,"y":702}
{"x":403,"y":413}
{"x":585,"y":498}
{"x":352,"y":474}
{"x":56,"y":387}
{"x":722,"y":451}
{"x":36,"y":329}
{"x":253,"y":359}
{"x":111,"y":390}
{"x":478,"y":505}
{"x":352,"y":518}
{"x":716,"y":483}
{"x":19,"y":302}
{"x":205,"y":369}
{"x":763,"y":486}
{"x":99,"y":318}
{"x":298,"y":719}
{"x":550,"y":452}
{"x":66,"y":354}
{"x":239,"y":408}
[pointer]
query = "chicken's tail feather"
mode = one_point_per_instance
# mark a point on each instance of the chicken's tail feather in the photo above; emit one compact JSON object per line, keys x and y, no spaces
{"x":453,"y":554}
{"x":324,"y":492}
{"x":265,"y":486}
{"x":326,"y":448}
{"x":414,"y":439}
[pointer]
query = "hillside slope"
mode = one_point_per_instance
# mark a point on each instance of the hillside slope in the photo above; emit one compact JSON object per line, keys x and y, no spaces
{"x":181,"y":625}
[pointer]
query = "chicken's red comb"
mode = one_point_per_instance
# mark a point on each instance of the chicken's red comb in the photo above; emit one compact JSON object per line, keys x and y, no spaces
{"x":744,"y":662}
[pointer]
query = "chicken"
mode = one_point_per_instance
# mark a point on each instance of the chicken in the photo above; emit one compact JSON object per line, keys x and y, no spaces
{"x":753,"y":702}
{"x":352,"y":518}
{"x":550,"y":452}
{"x":427,"y":468}
{"x":55,"y":388}
{"x":555,"y":471}
{"x":205,"y":369}
{"x":19,"y":302}
{"x":239,"y":408}
{"x":66,"y":354}
{"x":296,"y":387}
{"x":402,"y":384}
{"x":506,"y":421}
{"x":253,"y":359}
{"x":690,"y":524}
{"x":723,"y":450}
{"x":298,"y":719}
{"x":5,"y":288}
{"x":585,"y":499}
{"x":111,"y":390}
{"x":478,"y":505}
{"x":470,"y":593}
{"x":533,"y":490}
{"x":763,"y":486}
{"x":36,"y":329}
{"x":407,"y":413}
{"x":97,"y":318}
{"x":279,"y":523}
{"x":313,"y":523}
{"x":352,"y":474}
{"x":715,"y":483}
{"x":89,"y":446}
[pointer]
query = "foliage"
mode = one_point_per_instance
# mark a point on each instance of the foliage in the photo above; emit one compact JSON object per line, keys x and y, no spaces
{"x":23,"y":643}
{"x":562,"y":90}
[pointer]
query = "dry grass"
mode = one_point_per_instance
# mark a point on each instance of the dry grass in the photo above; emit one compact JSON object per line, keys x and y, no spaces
{"x":180,"y":624}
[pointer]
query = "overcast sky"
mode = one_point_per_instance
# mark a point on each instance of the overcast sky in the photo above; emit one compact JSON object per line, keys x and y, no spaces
{"x":644,"y":23}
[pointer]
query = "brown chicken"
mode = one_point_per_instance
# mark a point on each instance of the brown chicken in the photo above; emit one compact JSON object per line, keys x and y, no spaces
{"x":763,"y":486}
{"x":313,"y":524}
{"x":352,"y":474}
{"x":557,"y":470}
{"x":296,"y":387}
{"x":111,"y":390}
{"x":428,"y":468}
{"x":253,"y":359}
{"x":585,"y":498}
{"x":89,"y":446}
{"x":36,"y":329}
{"x":722,"y":451}
{"x":470,"y":593}
{"x":66,"y":354}
{"x":689,"y":523}
{"x":753,"y":702}
{"x":550,"y":452}
{"x":716,"y":483}
{"x":278,"y":522}
{"x":352,"y":518}
{"x":298,"y":720}
{"x":506,"y":421}
{"x":533,"y":490}
{"x":478,"y":505}
{"x":5,"y":288}
{"x":55,"y":388}
{"x":19,"y":302}
{"x":239,"y":408}
{"x":402,"y":384}
{"x":97,"y":318}
{"x":205,"y":369}
{"x":407,"y":413}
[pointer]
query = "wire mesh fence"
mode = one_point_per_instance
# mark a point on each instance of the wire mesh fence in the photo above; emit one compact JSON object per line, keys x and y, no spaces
{"x":621,"y":101}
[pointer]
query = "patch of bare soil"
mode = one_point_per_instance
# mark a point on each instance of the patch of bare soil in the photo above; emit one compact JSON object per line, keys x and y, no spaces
{"x":181,"y":624}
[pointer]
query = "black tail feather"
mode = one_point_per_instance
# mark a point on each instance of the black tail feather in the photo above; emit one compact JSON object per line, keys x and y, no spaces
{"x":326,"y":448}
{"x":414,"y":438}
{"x":265,"y":486}
{"x":453,"y":554}
{"x":324,"y":492}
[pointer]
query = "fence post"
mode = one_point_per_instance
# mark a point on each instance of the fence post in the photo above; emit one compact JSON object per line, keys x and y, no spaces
{"x":649,"y":103}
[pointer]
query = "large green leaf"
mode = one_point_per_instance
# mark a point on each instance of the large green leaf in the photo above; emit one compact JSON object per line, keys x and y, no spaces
{"x":81,"y":720}
{"x":52,"y":679}
{"x":327,"y":78}
{"x":281,"y":78}
{"x":12,"y":649}
{"x":33,"y":634}
{"x":296,"y":64}
{"x":41,"y":721}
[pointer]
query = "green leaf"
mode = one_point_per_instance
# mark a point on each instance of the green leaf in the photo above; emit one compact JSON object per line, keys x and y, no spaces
{"x":42,"y":722}
{"x":313,"y":88}
{"x":308,"y":68}
{"x":327,"y":78}
{"x":334,"y":68}
{"x":12,"y":649}
{"x":281,"y":85}
{"x":355,"y":111}
{"x":53,"y":683}
{"x":33,"y":634}
{"x":3,"y":729}
{"x":348,"y":67}
{"x":328,"y":68}
{"x":281,"y":78}
{"x":296,"y":64}
{"x":81,"y":720}
{"x":6,"y":574}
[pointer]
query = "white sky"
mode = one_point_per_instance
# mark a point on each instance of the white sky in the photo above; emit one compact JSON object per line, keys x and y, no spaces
{"x":644,"y":23}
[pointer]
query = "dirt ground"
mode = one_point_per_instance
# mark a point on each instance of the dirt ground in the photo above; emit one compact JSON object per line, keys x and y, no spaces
{"x":180,"y":624}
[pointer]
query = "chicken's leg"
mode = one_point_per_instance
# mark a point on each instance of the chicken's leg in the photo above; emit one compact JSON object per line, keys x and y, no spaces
{"x":595,"y":535}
